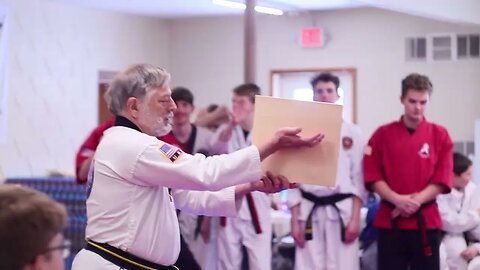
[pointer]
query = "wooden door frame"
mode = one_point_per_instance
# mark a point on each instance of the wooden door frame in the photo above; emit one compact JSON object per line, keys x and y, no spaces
{"x":351,"y":70}
{"x":104,"y":79}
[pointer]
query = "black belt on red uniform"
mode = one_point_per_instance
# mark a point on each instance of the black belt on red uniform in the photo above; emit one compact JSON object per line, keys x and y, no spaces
{"x":124,"y":259}
{"x":324,"y":201}
{"x":427,"y":249}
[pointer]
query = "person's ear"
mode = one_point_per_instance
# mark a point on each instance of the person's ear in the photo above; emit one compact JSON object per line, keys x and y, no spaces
{"x":133,"y":107}
{"x":40,"y":262}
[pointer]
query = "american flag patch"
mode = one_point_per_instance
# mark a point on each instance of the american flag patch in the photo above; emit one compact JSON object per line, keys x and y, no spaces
{"x":171,"y":152}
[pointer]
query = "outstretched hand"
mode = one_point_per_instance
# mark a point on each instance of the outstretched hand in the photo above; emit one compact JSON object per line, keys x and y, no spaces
{"x":272,"y":184}
{"x":288,"y":137}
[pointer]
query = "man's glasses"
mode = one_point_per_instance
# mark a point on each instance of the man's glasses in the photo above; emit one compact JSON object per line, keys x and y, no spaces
{"x":65,"y":248}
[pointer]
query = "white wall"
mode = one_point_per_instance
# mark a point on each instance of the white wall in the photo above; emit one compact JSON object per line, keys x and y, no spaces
{"x":476,"y":159}
{"x":56,"y":51}
{"x":207,"y":55}
{"x":55,"y":54}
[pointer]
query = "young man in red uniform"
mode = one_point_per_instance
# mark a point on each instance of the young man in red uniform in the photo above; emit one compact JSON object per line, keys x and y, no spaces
{"x":408,"y":163}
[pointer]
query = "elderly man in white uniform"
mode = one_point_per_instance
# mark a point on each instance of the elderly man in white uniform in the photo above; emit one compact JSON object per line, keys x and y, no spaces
{"x":252,"y":228}
{"x":460,"y":212}
{"x":132,"y":221}
{"x":326,"y":221}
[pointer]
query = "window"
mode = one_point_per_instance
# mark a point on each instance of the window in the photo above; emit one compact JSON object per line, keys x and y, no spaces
{"x":305,"y":94}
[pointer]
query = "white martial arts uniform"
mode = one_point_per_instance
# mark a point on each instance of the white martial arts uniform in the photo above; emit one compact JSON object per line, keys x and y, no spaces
{"x":129,"y":206}
{"x":459,"y":212}
{"x":326,"y":251}
{"x":240,"y":230}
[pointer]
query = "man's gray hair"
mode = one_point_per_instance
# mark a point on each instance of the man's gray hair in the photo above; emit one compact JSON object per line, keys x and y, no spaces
{"x":136,"y":81}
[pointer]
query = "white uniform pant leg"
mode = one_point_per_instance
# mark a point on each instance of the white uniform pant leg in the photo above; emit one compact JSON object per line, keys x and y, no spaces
{"x":340,"y":256}
{"x":454,"y":245}
{"x":474,"y":264}
{"x":199,"y":250}
{"x":205,"y":254}
{"x":443,"y":257}
{"x":369,"y":258}
{"x":230,"y":246}
{"x":313,"y":254}
{"x":259,"y":246}
{"x":86,"y":259}
{"x":211,"y":257}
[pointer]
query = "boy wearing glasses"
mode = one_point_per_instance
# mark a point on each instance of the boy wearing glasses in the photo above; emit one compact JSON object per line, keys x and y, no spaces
{"x":31,"y":226}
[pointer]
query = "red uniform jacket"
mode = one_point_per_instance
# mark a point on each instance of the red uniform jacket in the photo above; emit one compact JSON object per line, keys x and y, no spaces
{"x":408,"y":163}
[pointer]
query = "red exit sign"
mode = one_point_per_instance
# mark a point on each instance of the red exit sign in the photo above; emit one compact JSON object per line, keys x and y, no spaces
{"x":312,"y":37}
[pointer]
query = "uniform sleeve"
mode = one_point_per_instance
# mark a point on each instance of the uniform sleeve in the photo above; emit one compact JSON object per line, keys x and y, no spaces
{"x":219,"y":203}
{"x":294,"y":197}
{"x":372,"y":160}
{"x":443,"y":171}
{"x":215,"y":145}
{"x":356,"y":168}
{"x":456,"y":222}
{"x":217,"y":133}
{"x":477,"y":246}
{"x":225,"y":147}
{"x":167,"y":166}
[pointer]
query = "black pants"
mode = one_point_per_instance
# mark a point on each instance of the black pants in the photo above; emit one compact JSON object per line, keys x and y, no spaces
{"x":185,"y":260}
{"x":403,"y":250}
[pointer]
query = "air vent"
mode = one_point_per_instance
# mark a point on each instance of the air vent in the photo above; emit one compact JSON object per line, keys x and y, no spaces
{"x":416,"y":48}
{"x":441,"y":48}
{"x":468,"y":46}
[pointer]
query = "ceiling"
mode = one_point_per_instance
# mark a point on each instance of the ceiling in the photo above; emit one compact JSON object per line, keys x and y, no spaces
{"x":191,"y":8}
{"x":459,"y":11}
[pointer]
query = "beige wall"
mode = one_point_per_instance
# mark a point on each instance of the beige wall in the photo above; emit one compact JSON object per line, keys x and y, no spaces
{"x":207,"y":55}
{"x":55,"y":52}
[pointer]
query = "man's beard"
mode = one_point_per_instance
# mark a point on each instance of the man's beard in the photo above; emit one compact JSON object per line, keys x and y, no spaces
{"x":156,"y":124}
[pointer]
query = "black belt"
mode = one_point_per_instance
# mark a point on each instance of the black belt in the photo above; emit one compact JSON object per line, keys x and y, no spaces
{"x":427,"y":249}
{"x":324,"y":201}
{"x":124,"y":259}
